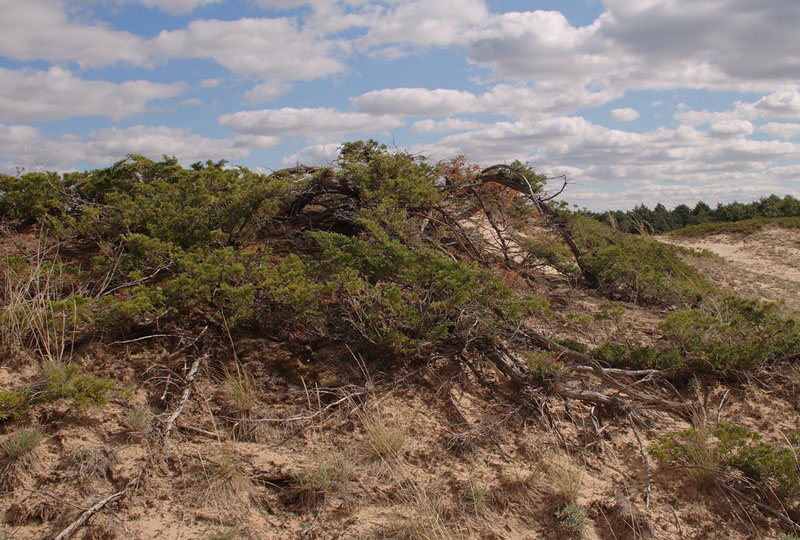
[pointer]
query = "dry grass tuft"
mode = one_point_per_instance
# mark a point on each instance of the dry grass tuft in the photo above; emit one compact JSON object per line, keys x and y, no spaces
{"x":566,"y":479}
{"x":228,"y":480}
{"x":427,"y":517}
{"x":384,"y":440}
{"x":138,"y":421}
{"x":93,"y":463}
{"x":18,"y":458}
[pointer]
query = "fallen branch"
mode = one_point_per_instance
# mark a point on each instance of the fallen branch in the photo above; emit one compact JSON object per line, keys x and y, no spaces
{"x":644,"y":458}
{"x":85,"y":516}
{"x":169,"y":424}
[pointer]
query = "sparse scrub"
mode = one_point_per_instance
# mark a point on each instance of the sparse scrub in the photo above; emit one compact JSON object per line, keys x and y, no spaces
{"x":704,"y":452}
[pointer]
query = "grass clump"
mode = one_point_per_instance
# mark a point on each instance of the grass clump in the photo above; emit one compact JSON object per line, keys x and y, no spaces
{"x":383,"y":439}
{"x":137,"y":421}
{"x":326,"y":477}
{"x":566,"y":479}
{"x":18,"y":457}
{"x":573,"y":520}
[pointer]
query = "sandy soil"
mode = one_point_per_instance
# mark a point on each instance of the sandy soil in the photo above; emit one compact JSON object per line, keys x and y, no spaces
{"x":763,"y":265}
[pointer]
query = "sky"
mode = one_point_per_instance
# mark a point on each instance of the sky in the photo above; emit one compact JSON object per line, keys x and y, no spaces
{"x":636,"y":101}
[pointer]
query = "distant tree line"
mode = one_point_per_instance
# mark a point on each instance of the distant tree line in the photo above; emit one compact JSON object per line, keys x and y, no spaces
{"x":660,"y":220}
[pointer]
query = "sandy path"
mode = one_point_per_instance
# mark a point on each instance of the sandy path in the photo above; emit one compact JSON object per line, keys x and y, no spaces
{"x":765,"y":264}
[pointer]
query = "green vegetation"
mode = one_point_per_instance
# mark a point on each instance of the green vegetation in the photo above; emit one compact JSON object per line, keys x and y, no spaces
{"x":637,"y":268}
{"x":60,"y":382}
{"x":659,"y":220}
{"x":573,"y":520}
{"x":748,"y":226}
{"x":773,"y":468}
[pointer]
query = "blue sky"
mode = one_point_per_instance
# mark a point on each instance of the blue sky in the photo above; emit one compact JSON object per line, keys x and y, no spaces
{"x":648,"y":101}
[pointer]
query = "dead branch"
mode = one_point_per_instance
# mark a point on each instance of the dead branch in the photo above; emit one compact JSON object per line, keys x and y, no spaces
{"x":644,"y":458}
{"x":169,"y":423}
{"x":496,"y":173}
{"x":84,"y":517}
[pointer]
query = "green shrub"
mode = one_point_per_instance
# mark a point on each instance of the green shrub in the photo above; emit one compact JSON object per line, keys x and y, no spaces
{"x":60,"y":381}
{"x":732,"y":334}
{"x":409,"y":299}
{"x":543,"y":365}
{"x":29,"y":197}
{"x":637,"y":268}
{"x":737,"y":447}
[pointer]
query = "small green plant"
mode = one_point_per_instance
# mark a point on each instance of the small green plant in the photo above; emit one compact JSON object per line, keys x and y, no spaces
{"x":228,"y":534}
{"x":544,"y":366}
{"x":694,"y":449}
{"x":58,"y":381}
{"x":573,"y":520}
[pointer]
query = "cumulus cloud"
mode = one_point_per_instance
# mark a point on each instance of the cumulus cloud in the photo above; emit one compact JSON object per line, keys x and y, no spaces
{"x":276,"y":50}
{"x":623,"y":115}
{"x":783,"y":130}
{"x":780,"y":104}
{"x":102,"y":147}
{"x":412,"y":24}
{"x":501,"y":99}
{"x":29,"y":95}
{"x":309,"y":122}
{"x":731,"y":128}
{"x":443,"y":126}
{"x":41,"y":29}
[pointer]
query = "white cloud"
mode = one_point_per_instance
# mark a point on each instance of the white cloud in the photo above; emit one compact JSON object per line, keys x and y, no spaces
{"x":623,"y":115}
{"x":321,"y":154}
{"x":504,"y":99}
{"x":210,"y":83}
{"x":443,"y":126}
{"x":41,"y":29}
{"x":416,"y":102}
{"x":313,"y":123}
{"x":276,"y":50}
{"x":27,"y":146}
{"x":418,"y":23}
{"x":178,"y":6}
{"x":780,"y":104}
{"x":29,"y":95}
{"x":731,"y":128}
{"x":783,"y":130}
